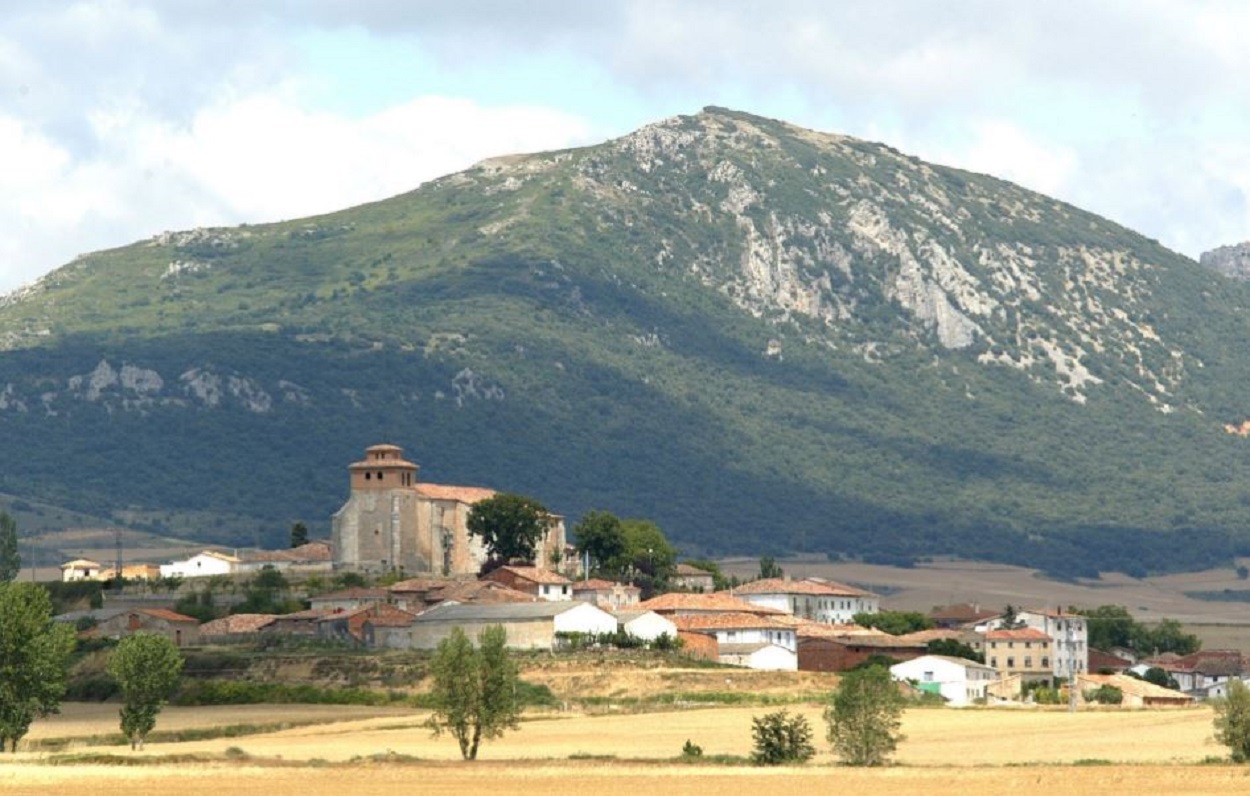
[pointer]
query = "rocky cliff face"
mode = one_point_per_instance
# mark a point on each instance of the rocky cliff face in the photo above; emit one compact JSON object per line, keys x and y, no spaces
{"x":1232,"y":261}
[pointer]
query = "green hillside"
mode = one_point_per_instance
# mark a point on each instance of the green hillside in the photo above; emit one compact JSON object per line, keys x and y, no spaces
{"x":764,"y":338}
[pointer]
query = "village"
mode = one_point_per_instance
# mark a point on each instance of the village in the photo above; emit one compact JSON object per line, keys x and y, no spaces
{"x":402,"y":572}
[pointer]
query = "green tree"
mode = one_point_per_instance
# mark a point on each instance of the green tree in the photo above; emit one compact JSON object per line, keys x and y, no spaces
{"x":1167,"y":636}
{"x":1159,"y":677}
{"x":649,"y":558}
{"x":954,"y":648}
{"x":896,"y":623}
{"x":10,"y":560}
{"x":510,"y":526}
{"x":781,"y":738}
{"x":474,"y":691}
{"x":1109,"y":626}
{"x":1232,"y":720}
{"x":146,"y":667}
{"x":267,"y":593}
{"x":769,"y":568}
{"x":1105,"y":695}
{"x":299,"y":534}
{"x":864,"y":717}
{"x":1011,"y":618}
{"x":600,"y":535}
{"x":34,"y":659}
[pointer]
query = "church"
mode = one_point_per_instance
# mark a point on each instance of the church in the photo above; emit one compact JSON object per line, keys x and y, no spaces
{"x":392,"y":521}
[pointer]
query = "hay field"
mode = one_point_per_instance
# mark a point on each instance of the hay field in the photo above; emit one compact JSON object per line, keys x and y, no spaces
{"x":946,"y":751}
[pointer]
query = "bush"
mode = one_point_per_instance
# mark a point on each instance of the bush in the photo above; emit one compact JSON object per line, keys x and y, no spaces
{"x":691,"y":749}
{"x":1105,"y":695}
{"x":780,"y":738}
{"x":864,"y":717}
{"x":1232,"y":720}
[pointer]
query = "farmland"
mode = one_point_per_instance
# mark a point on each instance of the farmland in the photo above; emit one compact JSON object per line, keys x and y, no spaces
{"x":369,"y":750}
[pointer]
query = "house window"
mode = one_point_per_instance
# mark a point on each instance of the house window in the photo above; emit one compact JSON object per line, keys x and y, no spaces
{"x":994,"y":662}
{"x":1028,"y":663}
{"x":1011,"y":663}
{"x":928,"y":677}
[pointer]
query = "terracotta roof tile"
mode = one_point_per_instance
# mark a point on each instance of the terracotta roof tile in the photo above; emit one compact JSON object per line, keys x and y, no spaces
{"x":599,"y":584}
{"x":236,"y":623}
{"x":726,"y":621}
{"x":353,"y":593}
{"x":787,"y":586}
{"x":1018,"y":634}
{"x":707,"y":603}
{"x":463,"y":494}
{"x":536,"y":575}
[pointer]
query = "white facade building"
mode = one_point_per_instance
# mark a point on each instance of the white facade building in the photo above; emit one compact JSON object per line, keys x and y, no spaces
{"x":816,"y":599}
{"x":960,"y":681}
{"x":646,"y":625}
{"x":200,"y":565}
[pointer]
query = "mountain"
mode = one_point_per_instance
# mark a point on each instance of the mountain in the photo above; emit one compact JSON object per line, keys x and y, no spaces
{"x":1231,"y":261}
{"x":765,"y":338}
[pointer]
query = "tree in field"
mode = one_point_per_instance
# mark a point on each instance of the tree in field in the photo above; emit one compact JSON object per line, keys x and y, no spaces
{"x":510,"y":526}
{"x":599,"y":534}
{"x":299,"y":534}
{"x":864,"y":717}
{"x":896,"y":623}
{"x":769,"y":568}
{"x":781,"y":738}
{"x":10,"y":560}
{"x":34,"y":659}
{"x":1167,"y":636}
{"x":146,"y":667}
{"x":1232,"y":720}
{"x":474,"y":691}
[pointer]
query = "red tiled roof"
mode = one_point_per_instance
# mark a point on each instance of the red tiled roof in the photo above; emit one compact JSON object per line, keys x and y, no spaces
{"x":390,"y":616}
{"x":236,"y":623}
{"x":708,"y":603}
{"x":963,"y":612}
{"x":787,"y":586}
{"x":463,"y":494}
{"x":727,"y":621}
{"x":1018,"y":634}
{"x":535,"y":575}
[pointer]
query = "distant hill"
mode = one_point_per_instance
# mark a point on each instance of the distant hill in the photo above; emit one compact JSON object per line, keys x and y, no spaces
{"x":765,"y":338}
{"x":1232,"y":261}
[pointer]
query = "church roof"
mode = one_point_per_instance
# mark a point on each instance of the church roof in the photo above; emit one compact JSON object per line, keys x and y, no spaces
{"x":462,"y":494}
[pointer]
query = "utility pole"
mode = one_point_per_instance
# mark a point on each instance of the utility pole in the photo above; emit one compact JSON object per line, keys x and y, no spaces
{"x":117,"y":565}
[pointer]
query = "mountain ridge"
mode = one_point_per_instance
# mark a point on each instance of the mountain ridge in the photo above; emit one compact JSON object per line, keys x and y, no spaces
{"x":899,"y":359}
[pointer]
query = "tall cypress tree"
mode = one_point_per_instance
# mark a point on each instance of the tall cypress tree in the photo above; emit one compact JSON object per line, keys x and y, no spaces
{"x":10,"y":560}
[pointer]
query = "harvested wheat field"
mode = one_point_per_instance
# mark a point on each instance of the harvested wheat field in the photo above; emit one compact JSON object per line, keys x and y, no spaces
{"x":947,"y":751}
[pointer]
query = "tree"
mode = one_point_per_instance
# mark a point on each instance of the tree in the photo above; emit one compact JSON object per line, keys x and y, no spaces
{"x":1232,"y":720}
{"x":864,"y":717}
{"x":34,"y":659}
{"x":1105,"y":694}
{"x":769,"y":568}
{"x":599,"y":534}
{"x":954,"y":648}
{"x":1159,"y":677}
{"x":1011,"y":619}
{"x":1109,"y":627}
{"x":10,"y":560}
{"x":896,"y":623}
{"x":510,"y":526}
{"x":299,"y":534}
{"x":146,"y":667}
{"x":1167,"y":636}
{"x":474,"y":692}
{"x":649,"y":558}
{"x":781,"y":738}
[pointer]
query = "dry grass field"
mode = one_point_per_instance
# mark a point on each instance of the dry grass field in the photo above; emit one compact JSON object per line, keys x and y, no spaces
{"x":362,"y":750}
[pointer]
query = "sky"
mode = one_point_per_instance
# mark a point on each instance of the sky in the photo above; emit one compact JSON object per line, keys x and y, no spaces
{"x":120,"y":119}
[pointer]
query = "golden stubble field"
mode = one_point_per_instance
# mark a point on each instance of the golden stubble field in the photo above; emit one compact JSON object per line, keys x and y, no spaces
{"x":946,"y":751}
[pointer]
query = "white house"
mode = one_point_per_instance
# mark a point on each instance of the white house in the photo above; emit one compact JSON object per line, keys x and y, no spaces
{"x":80,"y":569}
{"x":209,"y":562}
{"x":762,"y":656}
{"x":816,"y":599}
{"x":959,"y":680}
{"x":646,"y":625}
{"x":536,"y":625}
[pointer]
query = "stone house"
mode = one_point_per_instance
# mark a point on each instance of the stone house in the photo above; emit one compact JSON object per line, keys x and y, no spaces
{"x":392,"y":521}
{"x":1024,"y":651}
{"x":543,"y":584}
{"x":692,"y":578}
{"x":607,"y":594}
{"x":182,"y":630}
{"x":535,"y":625}
{"x":839,"y":653}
